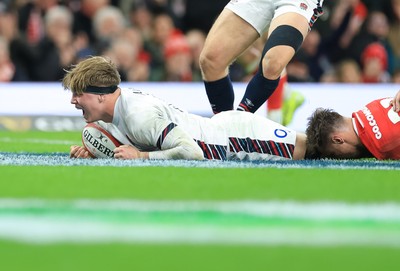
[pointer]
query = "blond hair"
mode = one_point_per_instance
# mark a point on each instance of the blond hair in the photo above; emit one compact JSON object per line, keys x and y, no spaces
{"x":94,"y":71}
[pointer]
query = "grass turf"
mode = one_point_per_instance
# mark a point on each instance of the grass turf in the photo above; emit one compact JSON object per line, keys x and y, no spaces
{"x":63,"y":257}
{"x":175,"y":183}
{"x":199,"y":183}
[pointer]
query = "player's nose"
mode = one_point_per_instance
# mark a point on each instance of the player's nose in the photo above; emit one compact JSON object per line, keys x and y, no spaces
{"x":73,"y":100}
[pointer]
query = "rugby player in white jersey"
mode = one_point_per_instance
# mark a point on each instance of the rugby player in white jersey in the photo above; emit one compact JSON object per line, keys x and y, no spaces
{"x":150,"y":128}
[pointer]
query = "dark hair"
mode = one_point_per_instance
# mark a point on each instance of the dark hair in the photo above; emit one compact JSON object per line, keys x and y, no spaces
{"x":321,"y":124}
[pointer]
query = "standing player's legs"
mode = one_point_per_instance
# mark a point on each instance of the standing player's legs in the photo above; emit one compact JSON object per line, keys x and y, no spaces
{"x":228,"y":38}
{"x":275,"y":101}
{"x":286,"y":35}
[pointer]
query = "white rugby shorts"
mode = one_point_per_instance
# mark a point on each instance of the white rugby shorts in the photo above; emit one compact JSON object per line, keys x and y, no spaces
{"x":260,"y":13}
{"x":238,"y":126}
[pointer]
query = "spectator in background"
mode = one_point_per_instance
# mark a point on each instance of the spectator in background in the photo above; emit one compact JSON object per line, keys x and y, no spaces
{"x":127,"y":6}
{"x":374,"y":61}
{"x":329,"y":76}
{"x":376,"y":29}
{"x":199,"y":15}
{"x":349,"y":28}
{"x":143,"y":58}
{"x":322,"y":50}
{"x":298,"y":69}
{"x":56,"y":49}
{"x":128,"y":55}
{"x":31,"y":19}
{"x":108,"y":24}
{"x":178,"y":59}
{"x":7,"y":68}
{"x":163,"y":28}
{"x":196,"y":39}
{"x":394,"y":34}
{"x":15,"y":52}
{"x":304,"y":66}
{"x":141,"y":17}
{"x":123,"y":54}
{"x":84,"y":16}
{"x":396,"y":77}
{"x":356,"y":12}
{"x":347,"y":21}
{"x":311,"y":50}
{"x":348,"y":71}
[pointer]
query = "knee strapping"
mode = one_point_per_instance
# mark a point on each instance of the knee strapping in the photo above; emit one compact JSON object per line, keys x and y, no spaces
{"x":283,"y":35}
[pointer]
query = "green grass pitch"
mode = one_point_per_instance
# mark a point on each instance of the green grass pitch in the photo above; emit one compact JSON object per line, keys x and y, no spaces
{"x":50,"y":184}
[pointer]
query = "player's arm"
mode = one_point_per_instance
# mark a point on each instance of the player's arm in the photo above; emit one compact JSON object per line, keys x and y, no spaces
{"x":174,"y":144}
{"x":177,"y":144}
{"x":156,"y":130}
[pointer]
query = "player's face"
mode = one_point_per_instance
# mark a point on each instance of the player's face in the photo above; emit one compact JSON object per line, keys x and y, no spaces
{"x":89,"y":104}
{"x":346,"y":151}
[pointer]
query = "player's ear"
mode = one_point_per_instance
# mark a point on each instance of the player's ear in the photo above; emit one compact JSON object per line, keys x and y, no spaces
{"x":100,"y":98}
{"x":337,"y":139}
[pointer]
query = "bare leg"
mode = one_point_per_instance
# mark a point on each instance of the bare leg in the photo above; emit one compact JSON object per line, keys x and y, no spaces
{"x":229,"y":37}
{"x":275,"y":59}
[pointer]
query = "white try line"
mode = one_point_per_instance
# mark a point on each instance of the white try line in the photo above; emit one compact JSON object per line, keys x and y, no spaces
{"x":62,"y":159}
{"x":21,"y":221}
{"x":39,"y":141}
{"x":45,"y":230}
{"x":323,"y":210}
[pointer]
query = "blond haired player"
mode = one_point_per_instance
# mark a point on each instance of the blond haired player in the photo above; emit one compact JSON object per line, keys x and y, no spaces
{"x":150,"y":128}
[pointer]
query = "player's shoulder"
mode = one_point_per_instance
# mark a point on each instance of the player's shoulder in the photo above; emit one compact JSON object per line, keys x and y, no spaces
{"x":132,"y":95}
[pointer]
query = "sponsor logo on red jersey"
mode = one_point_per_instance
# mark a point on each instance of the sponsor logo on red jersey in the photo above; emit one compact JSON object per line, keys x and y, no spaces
{"x":372,"y":122}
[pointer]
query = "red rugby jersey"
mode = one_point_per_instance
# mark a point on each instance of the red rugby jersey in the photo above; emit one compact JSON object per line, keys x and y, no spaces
{"x":378,"y":127}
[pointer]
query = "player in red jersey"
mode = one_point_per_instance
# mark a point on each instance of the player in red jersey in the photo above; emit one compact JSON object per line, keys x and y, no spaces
{"x":371,"y":132}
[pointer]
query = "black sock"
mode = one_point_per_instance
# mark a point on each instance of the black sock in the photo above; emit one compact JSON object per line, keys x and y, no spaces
{"x":257,"y":92}
{"x":220,"y":94}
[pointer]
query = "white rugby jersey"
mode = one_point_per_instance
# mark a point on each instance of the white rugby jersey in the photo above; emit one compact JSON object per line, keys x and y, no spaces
{"x":151,"y":124}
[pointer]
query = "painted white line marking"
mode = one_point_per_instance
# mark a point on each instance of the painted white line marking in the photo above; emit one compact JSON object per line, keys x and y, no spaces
{"x":21,"y":221}
{"x":39,"y":141}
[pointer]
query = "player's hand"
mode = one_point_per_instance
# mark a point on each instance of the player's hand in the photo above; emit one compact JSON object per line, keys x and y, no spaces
{"x":396,"y":102}
{"x":78,"y":152}
{"x":128,"y":152}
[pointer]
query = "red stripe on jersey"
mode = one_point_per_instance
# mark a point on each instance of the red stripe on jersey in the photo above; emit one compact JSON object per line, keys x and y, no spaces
{"x":235,"y":144}
{"x":274,"y":149}
{"x":254,"y":142}
{"x":206,"y":151}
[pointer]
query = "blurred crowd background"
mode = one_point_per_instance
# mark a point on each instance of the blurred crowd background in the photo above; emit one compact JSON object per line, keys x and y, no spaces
{"x":355,"y":41}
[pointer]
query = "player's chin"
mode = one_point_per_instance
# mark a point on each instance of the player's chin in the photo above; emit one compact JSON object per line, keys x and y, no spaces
{"x":88,"y":118}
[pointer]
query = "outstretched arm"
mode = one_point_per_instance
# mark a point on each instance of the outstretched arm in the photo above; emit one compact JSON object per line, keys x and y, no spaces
{"x":176,"y":145}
